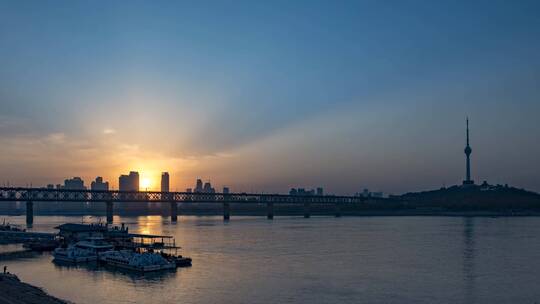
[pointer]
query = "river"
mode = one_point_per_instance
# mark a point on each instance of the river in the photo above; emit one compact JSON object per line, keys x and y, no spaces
{"x":315,"y":260}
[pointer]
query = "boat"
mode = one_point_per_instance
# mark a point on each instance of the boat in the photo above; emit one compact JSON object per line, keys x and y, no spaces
{"x":178,"y":260}
{"x":10,"y":227}
{"x":141,"y":262}
{"x":43,"y":245}
{"x":83,"y":251}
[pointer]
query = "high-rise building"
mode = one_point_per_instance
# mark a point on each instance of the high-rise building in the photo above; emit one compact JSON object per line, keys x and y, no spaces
{"x":203,"y":188}
{"x":468,"y":152}
{"x":129,"y":182}
{"x":165,"y":182}
{"x":98,"y":184}
{"x":198,"y":186}
{"x":207,"y":188}
{"x":226,"y":190}
{"x":75,"y":183}
{"x":320,"y":191}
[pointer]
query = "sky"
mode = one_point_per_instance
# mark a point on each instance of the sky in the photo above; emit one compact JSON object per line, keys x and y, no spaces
{"x":262,"y":96}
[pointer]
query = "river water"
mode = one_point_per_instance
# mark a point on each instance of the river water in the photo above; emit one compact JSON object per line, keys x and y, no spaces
{"x":316,"y":260}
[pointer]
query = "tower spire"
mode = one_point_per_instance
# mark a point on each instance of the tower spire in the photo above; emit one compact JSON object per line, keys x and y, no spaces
{"x":467,"y":131}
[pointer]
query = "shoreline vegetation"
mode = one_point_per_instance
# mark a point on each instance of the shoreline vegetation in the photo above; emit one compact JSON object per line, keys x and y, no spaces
{"x":13,"y":291}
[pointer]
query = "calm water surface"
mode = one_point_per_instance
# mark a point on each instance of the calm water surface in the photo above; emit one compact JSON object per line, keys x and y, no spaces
{"x":317,"y":260}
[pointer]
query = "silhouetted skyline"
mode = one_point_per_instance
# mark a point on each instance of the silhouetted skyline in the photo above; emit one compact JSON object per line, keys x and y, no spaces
{"x":270,"y":96}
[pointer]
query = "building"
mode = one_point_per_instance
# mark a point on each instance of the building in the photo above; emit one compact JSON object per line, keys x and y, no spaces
{"x":303,"y":192}
{"x":468,"y":181}
{"x":98,"y":184}
{"x":207,"y":188}
{"x":203,"y":188}
{"x":165,"y":182}
{"x":129,"y":182}
{"x":226,"y":190}
{"x":198,"y":186}
{"x":75,"y":183}
{"x":368,"y":194}
{"x":377,"y":194}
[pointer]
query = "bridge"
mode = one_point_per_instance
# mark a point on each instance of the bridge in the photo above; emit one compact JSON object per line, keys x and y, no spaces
{"x":31,"y":195}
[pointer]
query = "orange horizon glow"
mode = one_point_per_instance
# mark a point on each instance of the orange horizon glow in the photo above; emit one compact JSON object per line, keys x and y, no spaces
{"x":146,"y":183}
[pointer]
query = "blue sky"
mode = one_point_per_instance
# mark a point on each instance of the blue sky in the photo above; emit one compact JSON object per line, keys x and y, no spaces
{"x":263,"y":96}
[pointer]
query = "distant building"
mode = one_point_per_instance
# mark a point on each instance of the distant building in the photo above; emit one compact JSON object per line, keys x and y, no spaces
{"x":226,"y":190}
{"x":198,"y":186}
{"x":377,"y":194}
{"x":304,"y":192}
{"x":98,"y":184}
{"x":189,"y":190}
{"x":165,"y":182}
{"x":203,"y":188}
{"x":50,"y":186}
{"x":75,"y":183}
{"x":366,"y":193}
{"x":129,"y":182}
{"x":207,"y":188}
{"x":320,"y":191}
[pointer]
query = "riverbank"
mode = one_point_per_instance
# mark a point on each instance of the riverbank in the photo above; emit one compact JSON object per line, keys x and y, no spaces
{"x":12,"y":291}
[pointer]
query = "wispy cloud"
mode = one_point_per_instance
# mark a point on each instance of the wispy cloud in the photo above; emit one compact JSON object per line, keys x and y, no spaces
{"x":109,"y":131}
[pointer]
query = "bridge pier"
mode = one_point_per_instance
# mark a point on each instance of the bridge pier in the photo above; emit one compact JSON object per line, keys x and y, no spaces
{"x":174,"y":211}
{"x":226,"y":211}
{"x":307,"y":210}
{"x":270,"y":211}
{"x":337,"y":210}
{"x":109,"y":205}
{"x":29,"y":213}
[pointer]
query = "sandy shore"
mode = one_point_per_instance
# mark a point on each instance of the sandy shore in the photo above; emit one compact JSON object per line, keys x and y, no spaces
{"x":13,"y":291}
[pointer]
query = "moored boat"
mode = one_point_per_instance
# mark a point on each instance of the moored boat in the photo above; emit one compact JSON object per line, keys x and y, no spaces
{"x":142,"y":262}
{"x":178,"y":260}
{"x":83,"y":251}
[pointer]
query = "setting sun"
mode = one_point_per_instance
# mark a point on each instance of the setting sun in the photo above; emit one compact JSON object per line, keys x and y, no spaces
{"x":145,"y":183}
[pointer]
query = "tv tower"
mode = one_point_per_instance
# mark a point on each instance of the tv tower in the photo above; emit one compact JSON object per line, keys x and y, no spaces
{"x":468,"y":152}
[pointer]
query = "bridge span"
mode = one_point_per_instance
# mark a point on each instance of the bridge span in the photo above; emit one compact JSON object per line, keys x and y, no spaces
{"x":31,"y":195}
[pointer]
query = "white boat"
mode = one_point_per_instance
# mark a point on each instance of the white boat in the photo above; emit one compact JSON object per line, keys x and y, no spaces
{"x":130,"y":260}
{"x":83,"y":251}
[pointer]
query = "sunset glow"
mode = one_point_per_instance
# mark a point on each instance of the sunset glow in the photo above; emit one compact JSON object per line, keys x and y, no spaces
{"x":146,"y":183}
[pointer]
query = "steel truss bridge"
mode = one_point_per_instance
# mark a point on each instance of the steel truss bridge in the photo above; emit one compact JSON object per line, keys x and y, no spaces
{"x":30,"y":195}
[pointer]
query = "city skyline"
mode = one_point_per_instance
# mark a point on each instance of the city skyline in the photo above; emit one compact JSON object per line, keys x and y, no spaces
{"x":134,"y":182}
{"x":266,"y":97}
